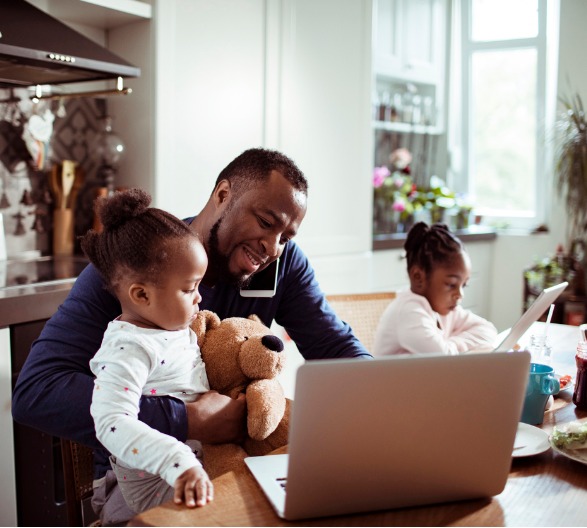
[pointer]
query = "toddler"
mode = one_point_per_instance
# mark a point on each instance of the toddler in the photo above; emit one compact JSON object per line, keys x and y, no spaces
{"x":428,"y":318}
{"x":153,"y":263}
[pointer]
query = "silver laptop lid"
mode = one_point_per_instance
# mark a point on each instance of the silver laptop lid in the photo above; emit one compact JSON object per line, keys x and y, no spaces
{"x":402,"y":431}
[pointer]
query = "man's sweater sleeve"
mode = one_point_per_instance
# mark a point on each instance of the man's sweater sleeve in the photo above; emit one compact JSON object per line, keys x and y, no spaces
{"x":54,"y":389}
{"x":308,"y":318}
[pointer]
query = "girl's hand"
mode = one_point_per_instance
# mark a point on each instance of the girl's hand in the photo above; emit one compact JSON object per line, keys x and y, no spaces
{"x":193,"y":487}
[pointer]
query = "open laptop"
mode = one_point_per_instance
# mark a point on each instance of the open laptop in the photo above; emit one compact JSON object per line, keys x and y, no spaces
{"x":531,"y":315}
{"x":396,"y":431}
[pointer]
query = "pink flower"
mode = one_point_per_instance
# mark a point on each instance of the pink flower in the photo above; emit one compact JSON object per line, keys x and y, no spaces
{"x":398,"y":181}
{"x":400,"y":158}
{"x":399,"y":205}
{"x":379,"y":175}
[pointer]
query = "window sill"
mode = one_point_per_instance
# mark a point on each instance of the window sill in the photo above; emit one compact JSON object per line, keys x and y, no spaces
{"x":471,"y":234}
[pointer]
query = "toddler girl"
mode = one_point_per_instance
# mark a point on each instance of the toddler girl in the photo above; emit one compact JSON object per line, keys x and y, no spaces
{"x":428,"y":318}
{"x":153,"y":263}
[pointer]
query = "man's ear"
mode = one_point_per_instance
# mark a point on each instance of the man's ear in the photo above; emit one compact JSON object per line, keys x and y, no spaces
{"x":138,"y":293}
{"x":222,"y":193}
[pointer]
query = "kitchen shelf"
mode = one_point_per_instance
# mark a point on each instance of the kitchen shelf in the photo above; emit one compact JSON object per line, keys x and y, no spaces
{"x":394,"y":126}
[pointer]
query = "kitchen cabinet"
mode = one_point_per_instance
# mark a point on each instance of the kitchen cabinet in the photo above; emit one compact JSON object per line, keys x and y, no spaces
{"x":220,"y":77}
{"x":410,"y":39}
{"x":410,"y":46}
{"x":7,"y":474}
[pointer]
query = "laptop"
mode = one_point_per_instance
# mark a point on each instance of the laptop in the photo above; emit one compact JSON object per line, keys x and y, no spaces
{"x":531,"y":315}
{"x":396,"y":431}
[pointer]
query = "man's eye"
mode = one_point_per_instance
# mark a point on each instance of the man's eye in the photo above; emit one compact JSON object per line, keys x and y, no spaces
{"x":284,"y":240}
{"x":190,"y":291}
{"x":264,"y":223}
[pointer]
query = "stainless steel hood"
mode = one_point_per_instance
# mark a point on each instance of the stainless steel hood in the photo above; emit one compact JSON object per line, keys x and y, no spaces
{"x":36,"y":48}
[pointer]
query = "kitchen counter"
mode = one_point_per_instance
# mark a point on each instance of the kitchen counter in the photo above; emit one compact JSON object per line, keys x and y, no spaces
{"x":473,"y":233}
{"x":33,"y":289}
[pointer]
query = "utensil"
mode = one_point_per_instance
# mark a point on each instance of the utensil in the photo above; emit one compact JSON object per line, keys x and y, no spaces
{"x":67,"y":180}
{"x":55,"y":184}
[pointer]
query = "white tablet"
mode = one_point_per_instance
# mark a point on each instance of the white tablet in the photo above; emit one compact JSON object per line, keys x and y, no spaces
{"x":531,"y":315}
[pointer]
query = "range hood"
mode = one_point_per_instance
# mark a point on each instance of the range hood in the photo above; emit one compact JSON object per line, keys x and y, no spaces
{"x":36,"y":48}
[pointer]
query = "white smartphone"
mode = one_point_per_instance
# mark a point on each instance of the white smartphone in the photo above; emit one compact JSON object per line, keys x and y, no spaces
{"x":262,"y":284}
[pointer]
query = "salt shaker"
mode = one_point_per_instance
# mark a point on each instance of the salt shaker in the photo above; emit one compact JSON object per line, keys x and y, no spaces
{"x":580,"y":393}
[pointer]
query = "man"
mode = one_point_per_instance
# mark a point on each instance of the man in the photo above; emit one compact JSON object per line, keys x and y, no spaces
{"x":255,"y":209}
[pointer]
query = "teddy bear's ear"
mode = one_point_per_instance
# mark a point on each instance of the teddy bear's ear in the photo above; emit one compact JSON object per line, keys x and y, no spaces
{"x":204,"y":321}
{"x":256,"y":318}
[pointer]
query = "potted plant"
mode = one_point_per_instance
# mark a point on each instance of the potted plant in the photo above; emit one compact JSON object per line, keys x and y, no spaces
{"x":571,"y":172}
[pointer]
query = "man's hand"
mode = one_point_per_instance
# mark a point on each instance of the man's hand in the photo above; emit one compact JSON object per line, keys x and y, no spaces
{"x":215,"y":419}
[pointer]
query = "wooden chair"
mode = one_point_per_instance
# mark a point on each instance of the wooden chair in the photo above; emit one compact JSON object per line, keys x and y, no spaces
{"x":78,"y":476}
{"x":362,"y":312}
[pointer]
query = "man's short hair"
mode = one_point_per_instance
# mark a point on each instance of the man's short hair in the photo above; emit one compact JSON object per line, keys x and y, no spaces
{"x":255,"y":165}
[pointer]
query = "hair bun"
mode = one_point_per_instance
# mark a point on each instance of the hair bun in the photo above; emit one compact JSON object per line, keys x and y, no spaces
{"x":117,"y":209}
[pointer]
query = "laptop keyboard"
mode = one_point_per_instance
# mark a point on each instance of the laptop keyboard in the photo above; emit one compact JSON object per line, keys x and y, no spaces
{"x":282,"y":481}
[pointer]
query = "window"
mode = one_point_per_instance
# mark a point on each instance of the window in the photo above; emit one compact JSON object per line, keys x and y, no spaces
{"x":503,"y":97}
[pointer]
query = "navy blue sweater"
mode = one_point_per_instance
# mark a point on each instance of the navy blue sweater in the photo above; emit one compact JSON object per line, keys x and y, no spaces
{"x":54,"y":389}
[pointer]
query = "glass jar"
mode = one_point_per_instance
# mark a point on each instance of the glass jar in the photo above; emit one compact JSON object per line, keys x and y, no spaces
{"x":580,"y":393}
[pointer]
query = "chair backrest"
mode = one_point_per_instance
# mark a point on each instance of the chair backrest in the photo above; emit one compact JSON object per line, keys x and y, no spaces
{"x":78,"y":474}
{"x":362,"y":312}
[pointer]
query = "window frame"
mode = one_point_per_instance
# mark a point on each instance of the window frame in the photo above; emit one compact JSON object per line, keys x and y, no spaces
{"x":460,"y":104}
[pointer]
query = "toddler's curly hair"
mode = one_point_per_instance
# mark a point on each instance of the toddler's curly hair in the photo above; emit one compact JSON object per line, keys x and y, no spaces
{"x":135,"y":238}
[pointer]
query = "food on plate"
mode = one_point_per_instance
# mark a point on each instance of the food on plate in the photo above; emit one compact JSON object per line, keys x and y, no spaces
{"x":565,"y":380}
{"x":572,"y":435}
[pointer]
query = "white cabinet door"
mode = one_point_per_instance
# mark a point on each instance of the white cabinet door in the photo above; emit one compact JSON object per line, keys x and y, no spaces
{"x":410,"y":39}
{"x":322,"y":117}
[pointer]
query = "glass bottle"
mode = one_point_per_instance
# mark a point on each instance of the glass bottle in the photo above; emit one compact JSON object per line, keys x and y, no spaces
{"x":580,"y":393}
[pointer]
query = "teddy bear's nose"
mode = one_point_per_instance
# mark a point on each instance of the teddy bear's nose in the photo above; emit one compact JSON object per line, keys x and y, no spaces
{"x":272,"y":343}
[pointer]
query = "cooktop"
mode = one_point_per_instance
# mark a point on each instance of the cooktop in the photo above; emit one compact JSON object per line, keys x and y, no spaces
{"x":21,"y":272}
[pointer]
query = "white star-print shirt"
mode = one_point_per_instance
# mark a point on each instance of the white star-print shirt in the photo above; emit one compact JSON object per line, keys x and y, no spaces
{"x":134,"y":362}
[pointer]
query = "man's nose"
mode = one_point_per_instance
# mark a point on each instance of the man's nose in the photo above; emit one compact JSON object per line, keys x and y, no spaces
{"x":271,"y":245}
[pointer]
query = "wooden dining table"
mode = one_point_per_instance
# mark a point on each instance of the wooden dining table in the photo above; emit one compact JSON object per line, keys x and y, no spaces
{"x":545,"y":489}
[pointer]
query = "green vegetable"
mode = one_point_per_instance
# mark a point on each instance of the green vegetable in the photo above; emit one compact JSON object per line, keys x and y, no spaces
{"x":570,"y":436}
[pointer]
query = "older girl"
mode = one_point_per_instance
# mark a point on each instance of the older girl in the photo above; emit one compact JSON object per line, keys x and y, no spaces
{"x":428,"y":318}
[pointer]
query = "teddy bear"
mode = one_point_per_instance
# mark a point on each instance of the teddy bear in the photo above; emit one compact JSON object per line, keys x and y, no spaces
{"x":243,"y":355}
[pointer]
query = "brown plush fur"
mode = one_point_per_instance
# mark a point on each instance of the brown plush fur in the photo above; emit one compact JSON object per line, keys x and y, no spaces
{"x":243,"y":355}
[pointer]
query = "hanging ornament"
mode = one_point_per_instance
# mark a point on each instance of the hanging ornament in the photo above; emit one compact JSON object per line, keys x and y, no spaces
{"x":19,"y":230}
{"x":27,"y":199}
{"x":4,"y":202}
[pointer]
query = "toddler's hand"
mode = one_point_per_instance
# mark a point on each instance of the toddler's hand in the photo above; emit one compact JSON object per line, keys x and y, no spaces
{"x":193,"y":487}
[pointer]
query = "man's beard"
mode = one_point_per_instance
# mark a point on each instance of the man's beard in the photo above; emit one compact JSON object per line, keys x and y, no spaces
{"x":221,"y":262}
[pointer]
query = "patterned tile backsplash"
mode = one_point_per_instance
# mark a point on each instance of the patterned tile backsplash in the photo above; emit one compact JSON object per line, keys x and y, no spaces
{"x":33,"y":138}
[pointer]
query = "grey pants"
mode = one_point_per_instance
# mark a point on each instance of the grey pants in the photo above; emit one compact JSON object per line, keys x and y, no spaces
{"x":124,"y":492}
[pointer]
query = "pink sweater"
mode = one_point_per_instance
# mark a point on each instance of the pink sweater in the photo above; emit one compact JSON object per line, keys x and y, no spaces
{"x":410,"y":326}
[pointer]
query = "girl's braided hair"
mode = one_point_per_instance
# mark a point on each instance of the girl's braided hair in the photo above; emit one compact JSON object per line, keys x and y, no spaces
{"x":135,"y":238}
{"x":427,"y":246}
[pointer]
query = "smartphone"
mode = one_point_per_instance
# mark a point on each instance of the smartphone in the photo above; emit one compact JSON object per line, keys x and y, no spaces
{"x":263,"y":283}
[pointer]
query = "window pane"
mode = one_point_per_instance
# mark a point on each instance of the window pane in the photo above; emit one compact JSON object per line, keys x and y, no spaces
{"x":503,"y":142}
{"x":504,"y":19}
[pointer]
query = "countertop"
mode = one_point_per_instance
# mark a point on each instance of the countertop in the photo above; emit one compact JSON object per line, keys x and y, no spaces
{"x":473,"y":233}
{"x":33,"y":289}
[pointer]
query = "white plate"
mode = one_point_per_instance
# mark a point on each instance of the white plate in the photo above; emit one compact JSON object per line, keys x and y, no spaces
{"x":530,"y":441}
{"x":568,"y":385}
{"x":580,"y":455}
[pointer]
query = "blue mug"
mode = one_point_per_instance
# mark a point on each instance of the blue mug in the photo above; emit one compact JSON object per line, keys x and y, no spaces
{"x":541,"y":384}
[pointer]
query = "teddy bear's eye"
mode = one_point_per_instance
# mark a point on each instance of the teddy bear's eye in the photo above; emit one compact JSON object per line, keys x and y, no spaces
{"x":246,"y":338}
